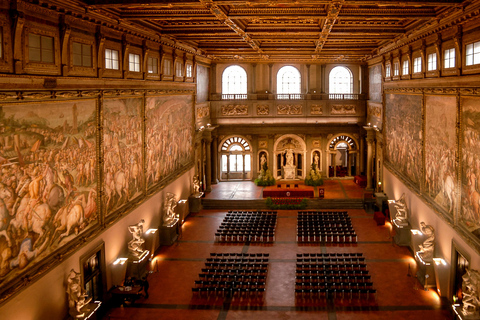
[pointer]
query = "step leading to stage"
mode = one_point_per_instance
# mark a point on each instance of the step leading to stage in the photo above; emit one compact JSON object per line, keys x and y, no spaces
{"x":313,"y":204}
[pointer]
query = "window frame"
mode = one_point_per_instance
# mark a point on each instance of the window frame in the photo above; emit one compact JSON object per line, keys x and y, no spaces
{"x":405,"y":65}
{"x":450,"y":59}
{"x":434,"y":63}
{"x":475,"y":45}
{"x":41,"y":49}
{"x":118,"y":59}
{"x":417,"y":64}
{"x":151,"y":58}
{"x":38,"y":67}
{"x":388,"y":71}
{"x":137,"y":65}
{"x":280,"y":83}
{"x":238,"y":79}
{"x":350,"y":84}
{"x":82,"y":55}
{"x":396,"y":69}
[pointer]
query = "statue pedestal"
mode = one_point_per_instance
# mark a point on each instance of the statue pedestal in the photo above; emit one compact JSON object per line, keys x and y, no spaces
{"x":137,"y":266}
{"x":425,"y":272}
{"x":402,"y":234}
{"x":87,"y":312}
{"x":169,"y":234}
{"x":458,"y":309}
{"x":289,"y":172}
{"x":195,"y":202}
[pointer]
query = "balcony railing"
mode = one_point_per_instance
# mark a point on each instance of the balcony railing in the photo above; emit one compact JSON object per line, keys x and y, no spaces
{"x":296,"y":96}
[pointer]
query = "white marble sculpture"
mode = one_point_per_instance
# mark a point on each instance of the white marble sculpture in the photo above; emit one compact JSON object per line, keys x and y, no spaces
{"x":196,"y":186}
{"x":470,"y":292}
{"x":169,"y":218}
{"x":77,"y":299}
{"x":135,"y":246}
{"x":428,"y":246}
{"x":401,"y":216}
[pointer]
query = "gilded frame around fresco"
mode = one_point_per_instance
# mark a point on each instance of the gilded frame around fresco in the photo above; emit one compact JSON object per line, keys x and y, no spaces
{"x":461,"y":95}
{"x":37,"y":269}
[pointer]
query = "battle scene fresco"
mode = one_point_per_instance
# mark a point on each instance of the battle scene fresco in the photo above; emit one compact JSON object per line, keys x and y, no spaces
{"x":440,"y":146}
{"x":403,"y":131}
{"x":168,"y":135}
{"x":48,"y":187}
{"x":470,"y":213}
{"x":122,"y":152}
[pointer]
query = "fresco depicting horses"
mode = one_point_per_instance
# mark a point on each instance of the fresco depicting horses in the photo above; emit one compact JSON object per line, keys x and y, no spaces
{"x":122,"y":137}
{"x":440,"y":147}
{"x":48,"y":164}
{"x":403,"y":132}
{"x":470,"y":209}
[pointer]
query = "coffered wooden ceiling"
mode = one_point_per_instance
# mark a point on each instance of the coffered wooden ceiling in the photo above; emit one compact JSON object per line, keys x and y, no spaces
{"x":282,"y":30}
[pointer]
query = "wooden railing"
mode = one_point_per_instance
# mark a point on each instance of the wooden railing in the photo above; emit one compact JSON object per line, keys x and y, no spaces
{"x":286,"y":96}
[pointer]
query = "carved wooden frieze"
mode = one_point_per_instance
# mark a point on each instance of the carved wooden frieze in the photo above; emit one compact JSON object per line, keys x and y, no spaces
{"x":289,"y":109}
{"x":342,"y":109}
{"x":263,"y":110}
{"x":203,"y":112}
{"x":316,"y":110}
{"x":234,"y":110}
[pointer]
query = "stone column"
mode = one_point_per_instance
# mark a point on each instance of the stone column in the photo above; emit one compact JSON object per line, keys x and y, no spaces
{"x":215,"y":160}
{"x":307,"y":87}
{"x":254,"y":78}
{"x":270,"y":78}
{"x":208,"y":169}
{"x":370,"y":140}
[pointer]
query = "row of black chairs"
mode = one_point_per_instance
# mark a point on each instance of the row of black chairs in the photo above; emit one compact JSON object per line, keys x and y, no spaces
{"x":334,"y":285}
{"x":326,"y":278}
{"x":229,"y":254}
{"x":250,"y":212}
{"x":231,"y":277}
{"x":208,"y":292}
{"x":237,"y":260}
{"x":329,"y":267}
{"x":258,"y":236}
{"x":339,"y":260}
{"x":316,"y":212}
{"x":332,"y":273}
{"x":328,"y":293}
{"x":332,"y":254}
{"x":330,"y":237}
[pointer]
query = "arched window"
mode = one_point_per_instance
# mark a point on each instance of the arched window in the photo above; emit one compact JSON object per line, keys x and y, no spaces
{"x":340,"y":80}
{"x":288,"y":82}
{"x":235,"y":159}
{"x":234,"y":82}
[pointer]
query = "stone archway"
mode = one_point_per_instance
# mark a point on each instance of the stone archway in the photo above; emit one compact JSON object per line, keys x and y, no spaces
{"x":343,"y":156}
{"x":290,"y":160}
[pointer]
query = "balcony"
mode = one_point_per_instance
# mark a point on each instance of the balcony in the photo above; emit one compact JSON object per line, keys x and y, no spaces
{"x":296,"y":96}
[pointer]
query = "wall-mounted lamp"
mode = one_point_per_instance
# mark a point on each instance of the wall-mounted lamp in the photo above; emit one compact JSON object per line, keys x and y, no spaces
{"x":391,"y":201}
{"x":439,"y":262}
{"x":416,"y":232}
{"x":151,"y":231}
{"x":120,"y":261}
{"x":208,"y":125}
{"x":142,"y":257}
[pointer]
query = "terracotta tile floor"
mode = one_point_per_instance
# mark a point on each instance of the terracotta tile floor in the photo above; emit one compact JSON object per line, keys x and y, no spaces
{"x":399,"y":296}
{"x":241,"y":190}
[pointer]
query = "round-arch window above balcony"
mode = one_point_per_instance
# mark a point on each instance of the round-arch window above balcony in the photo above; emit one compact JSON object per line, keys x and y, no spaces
{"x":234,"y":81}
{"x":235,"y":144}
{"x":340,"y":80}
{"x":288,"y":80}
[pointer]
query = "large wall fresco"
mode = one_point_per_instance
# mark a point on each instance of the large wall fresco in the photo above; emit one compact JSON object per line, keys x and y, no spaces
{"x":122,"y":152}
{"x":48,"y":188}
{"x":470,"y":213}
{"x":403,"y":131}
{"x":169,"y":136}
{"x":440,"y":148}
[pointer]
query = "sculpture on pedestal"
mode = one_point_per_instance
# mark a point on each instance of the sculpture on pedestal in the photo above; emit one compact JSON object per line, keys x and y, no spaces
{"x":401,"y":215}
{"x":197,"y":184}
{"x":169,"y":217}
{"x":470,"y":291}
{"x":428,"y":246}
{"x":135,"y":246}
{"x":77,"y":299}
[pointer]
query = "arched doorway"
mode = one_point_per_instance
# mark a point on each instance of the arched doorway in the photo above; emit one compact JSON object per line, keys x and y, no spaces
{"x":235,"y":159}
{"x":289,"y":158}
{"x":342,"y":156}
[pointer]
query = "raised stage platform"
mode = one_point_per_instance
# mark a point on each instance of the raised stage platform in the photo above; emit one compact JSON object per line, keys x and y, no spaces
{"x":299,"y":191}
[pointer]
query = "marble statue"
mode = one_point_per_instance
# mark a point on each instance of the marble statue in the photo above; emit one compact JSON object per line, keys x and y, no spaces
{"x":263,"y":160}
{"x":135,"y":246}
{"x":77,"y":299}
{"x":196,"y":185}
{"x":289,"y":157}
{"x":316,"y":160}
{"x":169,"y":217}
{"x":470,"y":291}
{"x":428,"y":246}
{"x":402,"y":211}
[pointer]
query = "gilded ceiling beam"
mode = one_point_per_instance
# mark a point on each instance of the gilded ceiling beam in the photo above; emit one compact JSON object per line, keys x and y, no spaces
{"x":332,"y":15}
{"x":222,"y":16}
